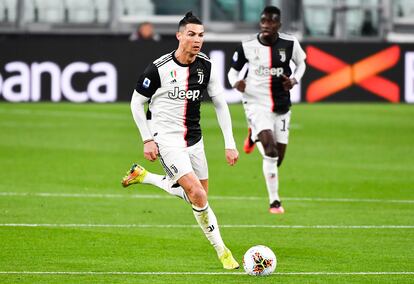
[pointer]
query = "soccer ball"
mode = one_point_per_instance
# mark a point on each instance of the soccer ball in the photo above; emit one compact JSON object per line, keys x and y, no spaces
{"x":259,"y":261}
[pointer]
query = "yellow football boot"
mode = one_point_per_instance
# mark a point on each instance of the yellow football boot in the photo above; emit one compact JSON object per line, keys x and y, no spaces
{"x":135,"y":175}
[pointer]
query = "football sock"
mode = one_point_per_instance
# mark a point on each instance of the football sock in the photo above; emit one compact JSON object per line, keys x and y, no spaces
{"x":270,"y":173}
{"x":167,"y":185}
{"x":208,"y":222}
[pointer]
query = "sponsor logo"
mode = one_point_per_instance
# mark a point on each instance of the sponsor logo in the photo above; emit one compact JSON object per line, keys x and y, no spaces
{"x":182,"y":95}
{"x":363,"y":73}
{"x":266,"y":71}
{"x":25,"y":82}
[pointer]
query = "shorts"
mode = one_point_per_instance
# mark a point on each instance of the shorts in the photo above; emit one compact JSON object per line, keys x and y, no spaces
{"x":178,"y":161}
{"x":260,"y":120}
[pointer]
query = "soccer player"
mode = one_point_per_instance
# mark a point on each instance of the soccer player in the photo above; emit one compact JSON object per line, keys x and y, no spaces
{"x":266,"y":97}
{"x":175,"y":84}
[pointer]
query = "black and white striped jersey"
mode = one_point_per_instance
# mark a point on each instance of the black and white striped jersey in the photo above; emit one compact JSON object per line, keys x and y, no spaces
{"x":176,"y":91}
{"x":266,"y":64}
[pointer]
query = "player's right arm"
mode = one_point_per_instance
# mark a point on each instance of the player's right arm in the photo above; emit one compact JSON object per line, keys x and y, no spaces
{"x":147,"y":85}
{"x":239,"y":60}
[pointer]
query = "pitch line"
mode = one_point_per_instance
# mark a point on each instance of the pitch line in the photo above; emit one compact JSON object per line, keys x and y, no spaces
{"x":212,"y":197}
{"x":166,"y":226}
{"x":198,"y":273}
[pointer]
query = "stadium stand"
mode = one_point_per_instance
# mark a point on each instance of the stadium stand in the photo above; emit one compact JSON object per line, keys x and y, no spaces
{"x":314,"y":19}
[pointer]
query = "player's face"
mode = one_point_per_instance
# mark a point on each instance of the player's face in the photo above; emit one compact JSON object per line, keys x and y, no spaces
{"x":269,"y":25}
{"x":191,"y":38}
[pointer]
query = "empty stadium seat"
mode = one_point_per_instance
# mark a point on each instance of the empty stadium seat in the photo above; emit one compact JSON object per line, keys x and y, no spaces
{"x":8,"y":10}
{"x":133,"y":7}
{"x":80,"y":11}
{"x":48,"y":11}
{"x":102,"y":9}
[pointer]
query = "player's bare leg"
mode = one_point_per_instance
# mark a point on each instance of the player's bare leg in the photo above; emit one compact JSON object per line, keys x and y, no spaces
{"x":204,"y":183}
{"x":281,"y":150}
{"x":270,"y":170}
{"x":205,"y":217}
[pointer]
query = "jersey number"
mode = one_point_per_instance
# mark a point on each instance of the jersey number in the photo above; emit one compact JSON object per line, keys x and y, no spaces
{"x":284,"y":125}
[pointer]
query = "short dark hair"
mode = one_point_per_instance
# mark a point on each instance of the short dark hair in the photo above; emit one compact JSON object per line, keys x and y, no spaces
{"x":189,"y":18}
{"x":271,"y":10}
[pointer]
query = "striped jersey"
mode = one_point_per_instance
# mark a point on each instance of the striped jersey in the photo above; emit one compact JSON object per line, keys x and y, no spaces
{"x":176,"y":91}
{"x":266,"y":64}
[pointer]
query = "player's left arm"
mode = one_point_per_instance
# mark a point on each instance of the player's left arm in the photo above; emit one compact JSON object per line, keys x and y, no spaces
{"x":215,"y":90}
{"x":298,"y":57}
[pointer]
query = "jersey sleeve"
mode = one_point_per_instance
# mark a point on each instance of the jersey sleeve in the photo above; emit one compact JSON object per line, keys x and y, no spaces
{"x":214,"y":86}
{"x":149,"y":81}
{"x":239,"y":58}
{"x":298,"y":55}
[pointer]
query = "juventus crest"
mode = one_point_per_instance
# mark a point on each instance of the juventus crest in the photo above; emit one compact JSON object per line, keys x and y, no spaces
{"x":282,"y":54}
{"x":200,"y":74}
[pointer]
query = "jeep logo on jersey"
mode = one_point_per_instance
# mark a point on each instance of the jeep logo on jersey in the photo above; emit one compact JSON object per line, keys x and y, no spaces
{"x":266,"y":71}
{"x":182,"y":95}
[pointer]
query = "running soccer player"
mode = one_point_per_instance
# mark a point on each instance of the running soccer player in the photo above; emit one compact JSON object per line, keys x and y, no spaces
{"x":266,"y":97}
{"x":175,"y":84}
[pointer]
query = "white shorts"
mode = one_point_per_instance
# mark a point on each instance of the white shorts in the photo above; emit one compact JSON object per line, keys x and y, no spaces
{"x":178,"y":161}
{"x":259,"y":120}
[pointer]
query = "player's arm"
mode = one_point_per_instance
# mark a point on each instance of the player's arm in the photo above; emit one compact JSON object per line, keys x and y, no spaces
{"x":147,"y":85}
{"x":137,"y":107}
{"x":298,"y":57}
{"x":238,"y":61}
{"x":216,"y":92}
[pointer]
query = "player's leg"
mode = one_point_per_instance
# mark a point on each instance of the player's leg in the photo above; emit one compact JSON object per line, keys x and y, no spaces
{"x":205,"y":215}
{"x":248,"y":146}
{"x":249,"y":141}
{"x":281,"y":130}
{"x":270,"y":170}
{"x":206,"y":218}
{"x":281,"y":136}
{"x":281,"y":150}
{"x":139,"y":175}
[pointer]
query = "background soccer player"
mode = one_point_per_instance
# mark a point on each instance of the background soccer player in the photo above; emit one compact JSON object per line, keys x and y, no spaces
{"x":175,"y":83}
{"x":266,"y":97}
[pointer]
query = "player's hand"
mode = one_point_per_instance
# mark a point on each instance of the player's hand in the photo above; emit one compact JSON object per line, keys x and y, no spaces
{"x":288,"y":83}
{"x":150,"y":151}
{"x":240,"y":85}
{"x":232,"y":155}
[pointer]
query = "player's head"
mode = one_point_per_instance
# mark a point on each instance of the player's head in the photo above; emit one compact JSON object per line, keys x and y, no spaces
{"x":190,"y":33}
{"x":270,"y":21}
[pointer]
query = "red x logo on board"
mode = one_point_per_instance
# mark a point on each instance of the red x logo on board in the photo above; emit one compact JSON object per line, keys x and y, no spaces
{"x":362,"y":73}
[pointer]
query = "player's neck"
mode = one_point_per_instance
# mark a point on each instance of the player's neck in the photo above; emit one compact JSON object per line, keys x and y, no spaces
{"x":184,"y":57}
{"x":268,"y":40}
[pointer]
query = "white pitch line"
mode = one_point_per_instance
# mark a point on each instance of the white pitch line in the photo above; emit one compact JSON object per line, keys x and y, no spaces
{"x":166,"y":226}
{"x":212,"y":197}
{"x":198,"y":273}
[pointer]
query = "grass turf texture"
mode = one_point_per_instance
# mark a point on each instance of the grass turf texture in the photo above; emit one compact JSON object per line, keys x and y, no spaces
{"x":351,"y":151}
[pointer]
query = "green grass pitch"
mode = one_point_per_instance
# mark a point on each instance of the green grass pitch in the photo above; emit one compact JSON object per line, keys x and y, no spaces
{"x":347,"y":184}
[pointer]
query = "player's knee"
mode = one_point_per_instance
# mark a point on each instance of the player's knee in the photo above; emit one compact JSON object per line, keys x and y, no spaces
{"x":271,"y":151}
{"x":197,"y":195}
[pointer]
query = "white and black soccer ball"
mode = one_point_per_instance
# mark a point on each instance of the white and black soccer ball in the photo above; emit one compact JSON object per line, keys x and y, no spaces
{"x":259,"y":261}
